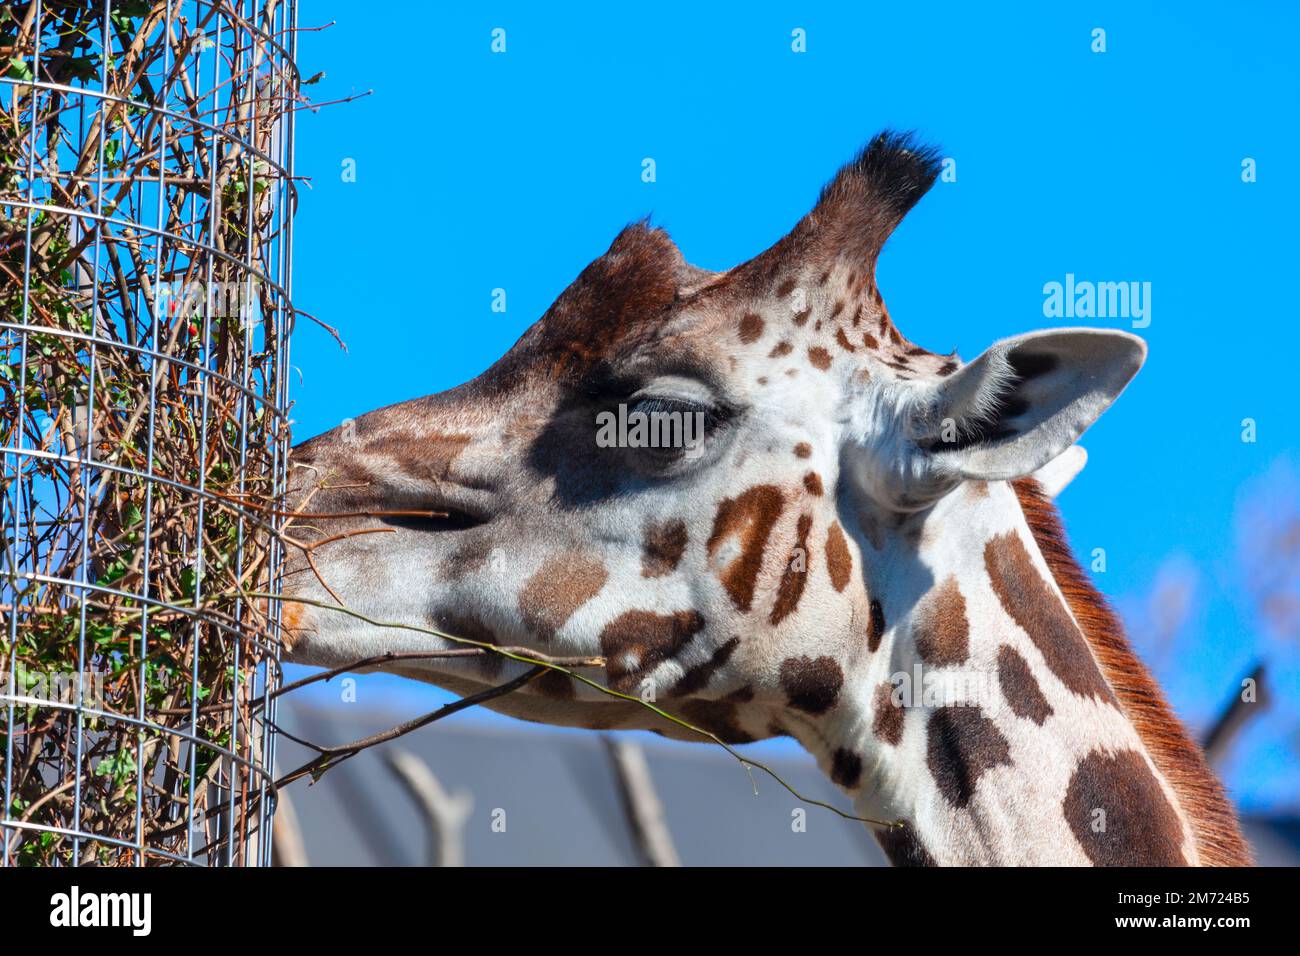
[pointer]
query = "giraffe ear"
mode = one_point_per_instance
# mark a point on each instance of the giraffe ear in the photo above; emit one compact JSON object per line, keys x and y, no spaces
{"x":1025,"y":401}
{"x":1061,"y":470}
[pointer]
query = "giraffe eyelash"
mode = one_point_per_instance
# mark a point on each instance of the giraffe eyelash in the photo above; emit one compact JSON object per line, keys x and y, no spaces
{"x":654,"y":404}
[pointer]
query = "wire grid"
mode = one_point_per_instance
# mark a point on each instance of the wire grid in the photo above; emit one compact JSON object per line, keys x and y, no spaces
{"x":146,"y":201}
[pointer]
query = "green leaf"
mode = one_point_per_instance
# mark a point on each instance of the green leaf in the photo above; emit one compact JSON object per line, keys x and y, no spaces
{"x":114,"y":572}
{"x":120,"y":766}
{"x":18,"y":69}
{"x":83,"y":67}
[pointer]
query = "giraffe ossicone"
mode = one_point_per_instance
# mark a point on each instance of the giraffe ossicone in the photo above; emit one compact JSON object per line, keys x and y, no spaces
{"x":859,"y":514}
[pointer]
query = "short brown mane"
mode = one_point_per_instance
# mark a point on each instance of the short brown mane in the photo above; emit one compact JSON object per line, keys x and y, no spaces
{"x":1214,"y":823}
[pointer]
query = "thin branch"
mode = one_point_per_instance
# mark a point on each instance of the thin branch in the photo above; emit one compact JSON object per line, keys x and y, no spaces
{"x":330,"y":757}
{"x":641,"y":803}
{"x":1223,"y":732}
{"x":444,"y":813}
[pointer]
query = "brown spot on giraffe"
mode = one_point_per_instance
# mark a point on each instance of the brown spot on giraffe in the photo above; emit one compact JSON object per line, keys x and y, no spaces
{"x":813,"y":483}
{"x":751,"y":328}
{"x":697,"y":678}
{"x":636,"y":642}
{"x":663,"y":547}
{"x":903,"y":846}
{"x":1119,"y":813}
{"x":940,"y":628}
{"x":781,"y":348}
{"x":795,"y":575}
{"x":719,"y":717}
{"x":842,"y":339}
{"x":420,"y":455}
{"x":801,"y":318}
{"x":467,"y":559}
{"x":555,"y":685}
{"x":947,"y":368}
{"x":846,"y":768}
{"x":1019,"y":687}
{"x":467,"y":625}
{"x":819,"y":357}
{"x":887,"y":715}
{"x":875,"y":625}
{"x":741,"y":695}
{"x":745,"y":521}
{"x":811,"y":685}
{"x":563,"y":583}
{"x":961,"y":746}
{"x":839,"y":307}
{"x":803,"y":450}
{"x":1031,"y":604}
{"x":869,"y":341}
{"x":785,"y":288}
{"x":839,"y":562}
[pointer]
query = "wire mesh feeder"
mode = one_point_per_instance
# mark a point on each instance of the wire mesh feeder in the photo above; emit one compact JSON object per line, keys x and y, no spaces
{"x":146,"y":197}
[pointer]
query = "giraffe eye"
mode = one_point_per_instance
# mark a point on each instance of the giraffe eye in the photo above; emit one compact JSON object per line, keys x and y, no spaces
{"x":662,"y":434}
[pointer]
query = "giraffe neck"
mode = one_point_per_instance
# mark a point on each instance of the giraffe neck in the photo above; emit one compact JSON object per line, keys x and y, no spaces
{"x":983,"y":720}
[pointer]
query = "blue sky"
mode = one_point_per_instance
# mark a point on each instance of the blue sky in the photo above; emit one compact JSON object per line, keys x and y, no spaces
{"x":477,"y":170}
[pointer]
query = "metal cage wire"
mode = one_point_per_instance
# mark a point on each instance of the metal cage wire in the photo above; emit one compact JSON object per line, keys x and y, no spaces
{"x":146,"y":201}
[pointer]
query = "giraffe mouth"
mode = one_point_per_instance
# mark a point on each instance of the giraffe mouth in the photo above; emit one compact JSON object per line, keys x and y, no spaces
{"x":440,"y":517}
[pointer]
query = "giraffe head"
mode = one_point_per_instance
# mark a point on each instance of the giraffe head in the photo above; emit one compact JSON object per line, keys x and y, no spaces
{"x":746,"y":490}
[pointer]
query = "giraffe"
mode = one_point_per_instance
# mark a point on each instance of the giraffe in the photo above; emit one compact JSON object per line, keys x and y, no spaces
{"x":855,"y":551}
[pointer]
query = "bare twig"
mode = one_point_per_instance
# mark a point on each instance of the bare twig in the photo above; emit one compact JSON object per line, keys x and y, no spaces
{"x":444,"y":814}
{"x":331,"y":756}
{"x":641,"y":804}
{"x":1246,"y":702}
